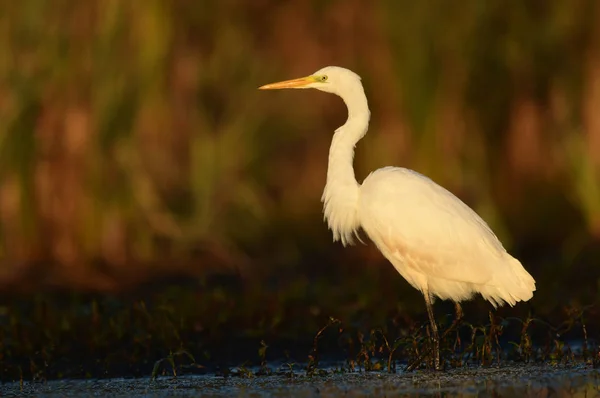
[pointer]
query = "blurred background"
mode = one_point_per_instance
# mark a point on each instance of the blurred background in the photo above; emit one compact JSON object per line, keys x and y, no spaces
{"x":136,"y":150}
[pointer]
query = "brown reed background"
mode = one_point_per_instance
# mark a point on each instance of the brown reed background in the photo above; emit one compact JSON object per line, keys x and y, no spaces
{"x":134,"y":144}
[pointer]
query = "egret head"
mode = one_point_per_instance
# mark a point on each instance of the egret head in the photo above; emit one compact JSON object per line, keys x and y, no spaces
{"x":331,"y":79}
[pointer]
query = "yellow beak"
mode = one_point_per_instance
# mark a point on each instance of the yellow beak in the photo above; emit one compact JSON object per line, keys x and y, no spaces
{"x":294,"y":83}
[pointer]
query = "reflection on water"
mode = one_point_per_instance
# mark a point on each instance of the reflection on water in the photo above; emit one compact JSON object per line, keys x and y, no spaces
{"x":508,"y":380}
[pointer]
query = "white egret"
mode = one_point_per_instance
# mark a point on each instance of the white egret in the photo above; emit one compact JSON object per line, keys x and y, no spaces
{"x":435,"y":241}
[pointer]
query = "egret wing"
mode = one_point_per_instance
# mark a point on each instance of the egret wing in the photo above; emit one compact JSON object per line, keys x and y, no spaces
{"x":426,"y":227}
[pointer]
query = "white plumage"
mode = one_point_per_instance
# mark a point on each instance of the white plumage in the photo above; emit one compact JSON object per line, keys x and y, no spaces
{"x":435,"y":241}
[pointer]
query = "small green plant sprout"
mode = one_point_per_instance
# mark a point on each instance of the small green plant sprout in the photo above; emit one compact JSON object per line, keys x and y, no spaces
{"x":289,"y":364}
{"x":244,"y":372}
{"x":262,"y":353}
{"x":483,"y":345}
{"x":557,"y":354}
{"x":290,"y":368}
{"x":576,"y":315}
{"x":584,"y":347}
{"x":525,"y":346}
{"x":170,"y":359}
{"x":313,"y":357}
{"x":367,"y":351}
{"x":496,"y":329}
{"x":362,"y":358}
{"x":391,"y":349}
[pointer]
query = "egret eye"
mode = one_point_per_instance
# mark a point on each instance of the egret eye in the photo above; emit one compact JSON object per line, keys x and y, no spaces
{"x":324,"y":78}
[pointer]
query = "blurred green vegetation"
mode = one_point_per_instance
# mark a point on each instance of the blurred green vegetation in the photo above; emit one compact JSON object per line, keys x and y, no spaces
{"x":134,"y":147}
{"x":133,"y":141}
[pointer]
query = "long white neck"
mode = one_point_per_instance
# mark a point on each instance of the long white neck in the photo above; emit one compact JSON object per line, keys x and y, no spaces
{"x":340,"y":197}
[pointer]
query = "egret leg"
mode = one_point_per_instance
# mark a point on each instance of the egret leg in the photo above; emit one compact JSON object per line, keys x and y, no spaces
{"x":459,"y":312}
{"x":457,"y":320}
{"x":435,"y":337}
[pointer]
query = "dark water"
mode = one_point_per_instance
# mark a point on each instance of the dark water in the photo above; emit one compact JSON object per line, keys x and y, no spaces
{"x":505,"y":381}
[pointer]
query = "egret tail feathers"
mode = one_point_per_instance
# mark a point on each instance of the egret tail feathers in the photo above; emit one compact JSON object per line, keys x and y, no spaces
{"x":510,"y":285}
